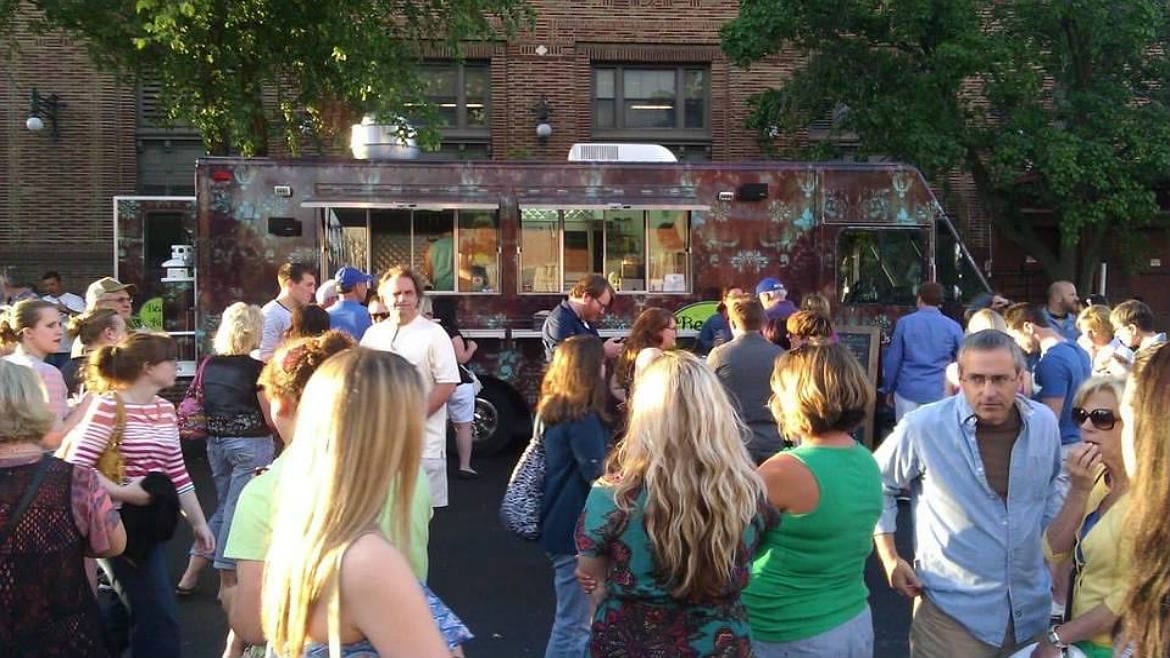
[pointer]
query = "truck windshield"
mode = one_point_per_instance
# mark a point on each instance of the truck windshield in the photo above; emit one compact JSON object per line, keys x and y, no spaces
{"x":880,"y":266}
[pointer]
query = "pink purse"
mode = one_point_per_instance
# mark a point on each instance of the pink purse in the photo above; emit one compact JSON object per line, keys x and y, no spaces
{"x":191,"y":416}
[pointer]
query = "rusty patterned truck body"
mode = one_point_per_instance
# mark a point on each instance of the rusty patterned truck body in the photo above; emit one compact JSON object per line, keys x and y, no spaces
{"x":503,"y":242}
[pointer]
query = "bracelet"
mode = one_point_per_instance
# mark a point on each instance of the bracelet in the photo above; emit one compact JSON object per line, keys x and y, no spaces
{"x":1054,"y":638}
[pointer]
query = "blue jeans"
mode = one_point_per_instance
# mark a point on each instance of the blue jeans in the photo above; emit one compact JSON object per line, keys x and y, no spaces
{"x":570,"y":631}
{"x":233,"y":461}
{"x":853,"y":639}
{"x":146,"y":590}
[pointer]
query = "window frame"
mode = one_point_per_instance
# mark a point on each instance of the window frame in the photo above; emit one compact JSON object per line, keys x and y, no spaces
{"x":560,"y":209}
{"x":679,"y":133}
{"x":461,"y":131}
{"x":453,"y":207}
{"x":878,"y":232}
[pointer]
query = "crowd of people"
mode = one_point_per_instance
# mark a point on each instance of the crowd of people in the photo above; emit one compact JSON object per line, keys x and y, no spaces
{"x":706,"y":503}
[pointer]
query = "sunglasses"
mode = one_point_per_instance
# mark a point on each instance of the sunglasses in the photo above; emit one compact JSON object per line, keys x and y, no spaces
{"x":1102,"y":419}
{"x":378,"y":317}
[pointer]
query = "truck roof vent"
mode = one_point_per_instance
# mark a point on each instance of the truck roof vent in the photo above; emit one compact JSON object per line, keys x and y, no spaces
{"x":621,"y":153}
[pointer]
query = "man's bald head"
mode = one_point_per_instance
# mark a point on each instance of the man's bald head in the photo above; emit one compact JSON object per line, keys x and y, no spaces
{"x":1063,"y":299}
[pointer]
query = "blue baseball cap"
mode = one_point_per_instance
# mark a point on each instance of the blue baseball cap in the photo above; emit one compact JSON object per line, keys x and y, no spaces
{"x":770,"y":285}
{"x":348,"y":277}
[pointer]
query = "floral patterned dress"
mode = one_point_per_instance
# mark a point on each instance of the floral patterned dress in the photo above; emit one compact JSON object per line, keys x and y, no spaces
{"x":639,"y":617}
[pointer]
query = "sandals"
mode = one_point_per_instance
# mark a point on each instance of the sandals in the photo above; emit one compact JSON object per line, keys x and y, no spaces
{"x":467,"y":474}
{"x":185,"y":591}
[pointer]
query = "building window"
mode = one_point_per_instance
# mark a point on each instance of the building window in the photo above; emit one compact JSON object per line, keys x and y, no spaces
{"x":461,"y":96}
{"x":455,"y":250}
{"x":637,"y":250}
{"x":629,"y":101}
{"x":166,"y":151}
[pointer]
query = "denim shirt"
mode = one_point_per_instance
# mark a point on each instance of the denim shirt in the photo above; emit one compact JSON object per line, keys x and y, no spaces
{"x":923,"y":345}
{"x":978,"y":558}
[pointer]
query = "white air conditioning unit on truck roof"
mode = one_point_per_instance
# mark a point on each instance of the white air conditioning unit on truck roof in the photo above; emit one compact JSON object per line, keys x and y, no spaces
{"x":621,"y":153}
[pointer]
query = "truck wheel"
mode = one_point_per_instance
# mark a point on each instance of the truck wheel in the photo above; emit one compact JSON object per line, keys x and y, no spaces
{"x":494,"y":420}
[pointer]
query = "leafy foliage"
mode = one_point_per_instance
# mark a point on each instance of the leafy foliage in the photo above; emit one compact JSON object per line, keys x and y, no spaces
{"x":1059,"y":105}
{"x":239,"y":71}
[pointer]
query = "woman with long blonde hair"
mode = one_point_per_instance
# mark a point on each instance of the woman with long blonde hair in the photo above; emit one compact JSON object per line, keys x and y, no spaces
{"x":1145,"y":442}
{"x":332,"y":574}
{"x":669,"y":531}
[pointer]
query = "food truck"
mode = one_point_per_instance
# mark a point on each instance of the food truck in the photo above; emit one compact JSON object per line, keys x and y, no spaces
{"x":503,"y":242}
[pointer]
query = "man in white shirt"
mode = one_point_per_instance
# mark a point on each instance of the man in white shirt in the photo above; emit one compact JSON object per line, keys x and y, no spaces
{"x":69,"y":305}
{"x":298,"y":284}
{"x":425,"y":344}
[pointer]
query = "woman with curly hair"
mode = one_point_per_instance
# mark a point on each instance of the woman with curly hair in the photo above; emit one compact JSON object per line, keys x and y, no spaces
{"x":653,"y":332}
{"x":668,"y":533}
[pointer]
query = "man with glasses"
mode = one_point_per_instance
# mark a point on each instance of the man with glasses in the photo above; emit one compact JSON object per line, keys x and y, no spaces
{"x":587,"y":302}
{"x":108,"y":292}
{"x":979,"y":580}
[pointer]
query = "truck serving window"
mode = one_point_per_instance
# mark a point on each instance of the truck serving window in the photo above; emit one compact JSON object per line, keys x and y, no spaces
{"x":455,"y":250}
{"x":638,"y":250}
{"x":880,"y":266}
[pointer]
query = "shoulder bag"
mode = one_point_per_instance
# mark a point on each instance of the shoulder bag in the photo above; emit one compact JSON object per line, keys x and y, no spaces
{"x":112,"y":463}
{"x":191,"y":416}
{"x":520,"y":508}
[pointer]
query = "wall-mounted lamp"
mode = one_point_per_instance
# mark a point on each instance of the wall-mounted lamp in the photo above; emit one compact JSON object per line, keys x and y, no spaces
{"x":42,"y":108}
{"x":542,"y":109}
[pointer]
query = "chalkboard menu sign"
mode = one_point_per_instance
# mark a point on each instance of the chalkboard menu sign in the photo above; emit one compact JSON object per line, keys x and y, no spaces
{"x":865,"y":344}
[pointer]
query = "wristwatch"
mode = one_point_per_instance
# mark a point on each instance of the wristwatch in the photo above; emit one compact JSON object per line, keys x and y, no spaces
{"x":1054,"y":638}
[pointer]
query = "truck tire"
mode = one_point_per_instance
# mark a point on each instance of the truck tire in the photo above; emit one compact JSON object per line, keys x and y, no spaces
{"x":495,"y":417}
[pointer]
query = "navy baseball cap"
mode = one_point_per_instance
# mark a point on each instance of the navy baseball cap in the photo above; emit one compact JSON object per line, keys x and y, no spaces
{"x":348,"y":277}
{"x":770,"y":285}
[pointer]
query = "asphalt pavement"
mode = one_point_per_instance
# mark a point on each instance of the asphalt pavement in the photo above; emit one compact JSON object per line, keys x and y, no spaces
{"x":501,"y":586}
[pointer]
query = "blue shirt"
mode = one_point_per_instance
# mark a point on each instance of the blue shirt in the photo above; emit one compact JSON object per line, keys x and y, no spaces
{"x":780,"y":311}
{"x":574,"y":458}
{"x":1066,"y":327}
{"x":915,"y":364}
{"x":1058,"y":374}
{"x":561,"y":323}
{"x":350,"y":317}
{"x":979,"y":557}
{"x":714,"y":327}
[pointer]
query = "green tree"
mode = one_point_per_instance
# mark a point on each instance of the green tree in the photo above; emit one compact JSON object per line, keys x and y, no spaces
{"x":242,"y":71}
{"x":1059,"y":105}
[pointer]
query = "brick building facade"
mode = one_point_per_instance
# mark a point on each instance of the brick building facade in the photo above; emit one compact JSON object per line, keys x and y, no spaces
{"x":610,"y":70}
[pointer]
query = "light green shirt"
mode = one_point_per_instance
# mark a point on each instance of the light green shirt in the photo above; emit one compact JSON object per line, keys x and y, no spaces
{"x":251,"y":530}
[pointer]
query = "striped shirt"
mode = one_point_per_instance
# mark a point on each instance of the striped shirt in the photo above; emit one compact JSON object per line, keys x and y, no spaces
{"x":150,"y":439}
{"x":55,"y":392}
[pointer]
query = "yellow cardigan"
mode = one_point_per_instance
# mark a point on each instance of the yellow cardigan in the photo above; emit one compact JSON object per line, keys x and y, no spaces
{"x":1103,"y":576}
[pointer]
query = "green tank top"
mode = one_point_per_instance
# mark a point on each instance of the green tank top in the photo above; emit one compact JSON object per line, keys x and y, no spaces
{"x":808,"y":575}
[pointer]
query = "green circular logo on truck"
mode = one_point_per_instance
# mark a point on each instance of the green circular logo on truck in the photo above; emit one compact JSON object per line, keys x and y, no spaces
{"x":692,"y":316}
{"x":150,"y":316}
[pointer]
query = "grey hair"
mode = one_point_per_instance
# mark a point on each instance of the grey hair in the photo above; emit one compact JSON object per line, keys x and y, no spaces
{"x":990,"y":340}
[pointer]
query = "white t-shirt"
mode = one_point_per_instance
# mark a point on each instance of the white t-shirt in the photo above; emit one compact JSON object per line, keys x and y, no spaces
{"x":426,"y":345}
{"x":76,"y":306}
{"x":277,"y":320}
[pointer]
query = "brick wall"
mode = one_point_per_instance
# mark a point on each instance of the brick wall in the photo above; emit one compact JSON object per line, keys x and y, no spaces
{"x":55,"y":197}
